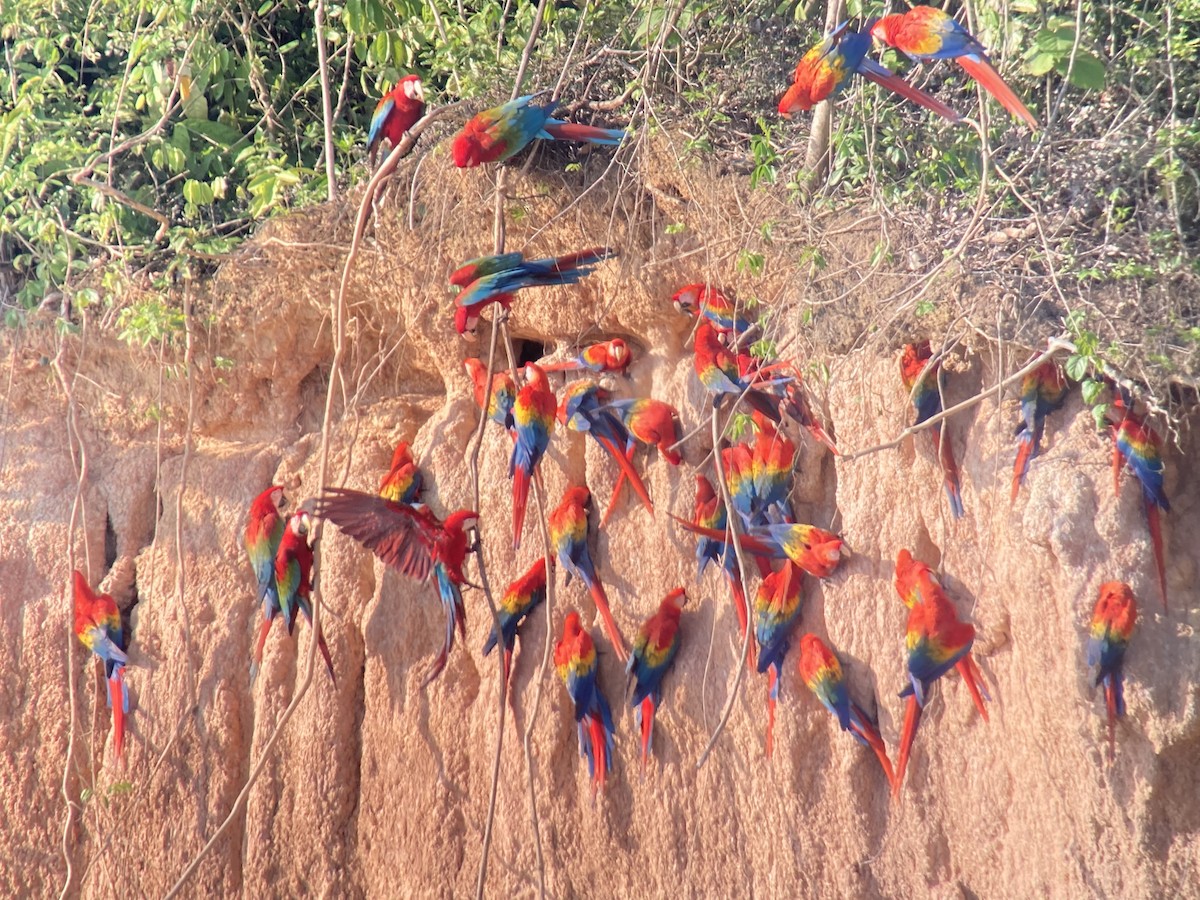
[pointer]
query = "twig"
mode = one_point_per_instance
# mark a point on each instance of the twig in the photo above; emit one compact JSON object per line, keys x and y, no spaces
{"x":326,"y":101}
{"x":125,"y":200}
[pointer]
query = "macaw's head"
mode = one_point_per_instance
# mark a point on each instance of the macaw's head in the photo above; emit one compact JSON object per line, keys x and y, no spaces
{"x":675,"y":600}
{"x":402,"y":455}
{"x":913,"y":359}
{"x":705,"y":493}
{"x":884,"y":30}
{"x":465,"y":320}
{"x":410,"y":86}
{"x":534,"y":374}
{"x":687,"y":298}
{"x":299,"y":523}
{"x":797,"y":98}
{"x":572,"y":627}
{"x":618,"y":354}
{"x":467,"y":149}
{"x":1116,"y":607}
{"x":462,"y":520}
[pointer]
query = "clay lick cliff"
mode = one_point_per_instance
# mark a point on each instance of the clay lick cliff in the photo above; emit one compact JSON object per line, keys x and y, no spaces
{"x":138,"y":466}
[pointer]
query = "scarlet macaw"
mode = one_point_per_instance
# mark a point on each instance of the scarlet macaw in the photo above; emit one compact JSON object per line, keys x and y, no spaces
{"x":397,"y":112}
{"x":293,"y":575}
{"x":653,"y":652}
{"x":504,"y":275}
{"x":776,"y":608}
{"x":503,"y":131}
{"x":413,"y":541}
{"x":828,"y":66}
{"x":708,"y":302}
{"x":653,"y":423}
{"x":569,"y":536}
{"x":798,"y":407}
{"x":1112,"y":626}
{"x":822,"y":672}
{"x":772,"y":459}
{"x":606,"y":356}
{"x":98,"y":627}
{"x":719,"y":372}
{"x":522,"y":596}
{"x":402,"y":483}
{"x":815,"y":550}
{"x":533,"y":421}
{"x":575,"y":662}
{"x":264,"y":531}
{"x":710,"y":514}
{"x":926,"y":33}
{"x":916,"y":372}
{"x":1136,"y":443}
{"x":503,"y":393}
{"x":1042,"y":391}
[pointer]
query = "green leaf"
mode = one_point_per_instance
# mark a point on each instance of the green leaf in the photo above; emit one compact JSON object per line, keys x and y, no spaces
{"x":1092,"y":390}
{"x":1077,"y":366}
{"x":197,"y":192}
{"x":1040,"y":63}
{"x":1100,"y":417}
{"x":1088,"y":73}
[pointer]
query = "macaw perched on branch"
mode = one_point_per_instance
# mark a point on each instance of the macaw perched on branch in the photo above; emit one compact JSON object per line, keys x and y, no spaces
{"x":709,"y":303}
{"x":921,"y":381}
{"x":719,"y":372}
{"x":653,"y":652}
{"x":926,"y":33}
{"x":606,"y":356}
{"x":1042,"y":391}
{"x":568,"y":536}
{"x":915,"y":581}
{"x":395,"y":114}
{"x":98,"y":627}
{"x":575,"y":662}
{"x":584,"y":407}
{"x":1112,"y":626}
{"x":264,"y":531}
{"x":776,"y":608}
{"x":1136,"y":443}
{"x":402,"y":483}
{"x":503,"y":131}
{"x":937,"y":641}
{"x":414,"y":542}
{"x":710,"y":514}
{"x":503,"y":393}
{"x":293,"y":575}
{"x":822,"y":672}
{"x":496,"y":279}
{"x":533,"y":421}
{"x":828,"y":66}
{"x":522,"y":596}
{"x":650,"y":422}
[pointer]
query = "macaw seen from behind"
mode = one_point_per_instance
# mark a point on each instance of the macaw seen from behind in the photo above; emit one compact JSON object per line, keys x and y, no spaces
{"x":98,"y":627}
{"x":498,"y":133}
{"x":1112,"y":626}
{"x":575,"y":662}
{"x":653,"y":652}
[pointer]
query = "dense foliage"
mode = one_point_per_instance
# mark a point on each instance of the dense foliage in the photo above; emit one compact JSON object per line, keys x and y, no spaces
{"x":139,"y":138}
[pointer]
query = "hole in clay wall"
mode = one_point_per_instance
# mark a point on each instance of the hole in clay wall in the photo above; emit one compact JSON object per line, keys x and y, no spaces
{"x":528,"y":350}
{"x":110,"y":543}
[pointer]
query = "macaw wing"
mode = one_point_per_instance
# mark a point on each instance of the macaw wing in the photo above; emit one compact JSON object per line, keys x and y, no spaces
{"x":382,"y":110}
{"x":397,"y":534}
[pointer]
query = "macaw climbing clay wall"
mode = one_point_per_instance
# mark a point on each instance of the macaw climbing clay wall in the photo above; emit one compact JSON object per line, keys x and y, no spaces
{"x":378,"y":786}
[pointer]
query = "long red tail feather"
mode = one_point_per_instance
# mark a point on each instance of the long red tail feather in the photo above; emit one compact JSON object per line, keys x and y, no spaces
{"x":324,"y":648}
{"x":771,"y":676}
{"x":647,"y":729}
{"x":627,"y":469}
{"x":871,"y":735}
{"x":970,"y":673}
{"x":116,"y":690}
{"x":599,"y":753}
{"x":898,"y":85}
{"x":520,"y":498}
{"x":1024,"y":452}
{"x":912,"y":719}
{"x":983,"y":72}
{"x":743,"y":613}
{"x":606,"y":618}
{"x":1154,"y":523}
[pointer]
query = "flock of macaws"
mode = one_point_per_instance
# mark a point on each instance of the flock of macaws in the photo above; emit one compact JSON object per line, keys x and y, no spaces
{"x":754,"y":471}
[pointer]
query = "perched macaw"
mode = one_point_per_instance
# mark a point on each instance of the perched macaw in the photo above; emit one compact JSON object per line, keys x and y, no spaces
{"x":569,"y":537}
{"x":502,"y":277}
{"x":584,"y":407}
{"x":926,"y":33}
{"x":798,"y":407}
{"x":776,"y":608}
{"x":828,"y":66}
{"x":772,"y":459}
{"x":916,"y":372}
{"x":606,"y":356}
{"x":413,"y":541}
{"x":293,"y":575}
{"x":710,"y":514}
{"x":1136,"y":443}
{"x":1042,"y":391}
{"x":822,"y":672}
{"x":708,"y":302}
{"x":653,"y":423}
{"x":653,"y":652}
{"x":533,"y":421}
{"x":515,"y":606}
{"x":719,"y":372}
{"x":402,"y":483}
{"x":915,"y":581}
{"x":503,"y":131}
{"x":1112,"y":625}
{"x":264,"y":531}
{"x":502,"y":396}
{"x":98,"y":627}
{"x":816,"y":551}
{"x":575,"y":661}
{"x":397,"y":112}
{"x":936,"y":642}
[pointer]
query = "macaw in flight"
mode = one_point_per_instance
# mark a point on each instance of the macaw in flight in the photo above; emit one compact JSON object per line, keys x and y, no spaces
{"x":1042,"y":391}
{"x":829,"y":65}
{"x":395,"y":114}
{"x":414,"y":542}
{"x":821,"y":671}
{"x":518,"y":602}
{"x":653,"y":652}
{"x":920,"y":379}
{"x":98,"y":627}
{"x":575,"y":662}
{"x":496,"y":279}
{"x":496,"y":134}
{"x":1112,"y":626}
{"x":926,"y":32}
{"x":569,"y":538}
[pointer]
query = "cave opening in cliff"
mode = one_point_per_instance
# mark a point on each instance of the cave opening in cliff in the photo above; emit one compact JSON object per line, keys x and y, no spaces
{"x":527,"y":350}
